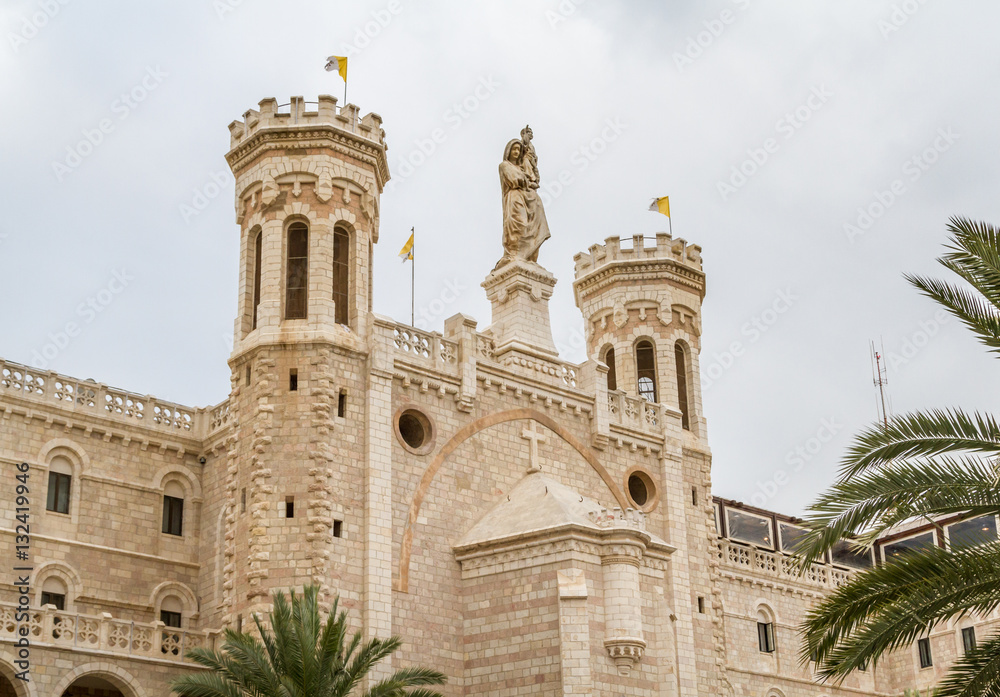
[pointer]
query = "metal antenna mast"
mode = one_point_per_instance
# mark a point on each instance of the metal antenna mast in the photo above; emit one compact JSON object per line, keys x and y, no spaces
{"x":880,"y":379}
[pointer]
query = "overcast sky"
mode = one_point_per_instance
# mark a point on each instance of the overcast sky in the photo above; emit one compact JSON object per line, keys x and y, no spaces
{"x":873,"y":114}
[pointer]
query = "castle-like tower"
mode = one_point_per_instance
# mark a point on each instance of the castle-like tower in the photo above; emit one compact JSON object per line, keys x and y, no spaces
{"x":308,"y":180}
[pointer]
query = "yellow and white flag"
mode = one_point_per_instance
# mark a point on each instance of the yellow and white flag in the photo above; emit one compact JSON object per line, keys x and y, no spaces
{"x":661,"y":205}
{"x":338,"y":63}
{"x":406,"y":253}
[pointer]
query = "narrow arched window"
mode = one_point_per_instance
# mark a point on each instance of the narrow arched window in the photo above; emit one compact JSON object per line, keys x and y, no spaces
{"x":341,"y":274}
{"x":257,"y":243}
{"x":173,"y":509}
{"x":682,"y":386}
{"x":645,"y":368}
{"x":60,"y":482}
{"x":609,"y":360}
{"x":297,"y":272}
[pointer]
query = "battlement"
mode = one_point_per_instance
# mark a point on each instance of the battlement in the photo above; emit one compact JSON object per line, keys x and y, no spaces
{"x":612,"y":251}
{"x":297,"y":113}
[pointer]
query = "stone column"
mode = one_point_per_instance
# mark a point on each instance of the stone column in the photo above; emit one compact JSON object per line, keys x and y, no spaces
{"x":574,"y":634}
{"x":623,"y":606}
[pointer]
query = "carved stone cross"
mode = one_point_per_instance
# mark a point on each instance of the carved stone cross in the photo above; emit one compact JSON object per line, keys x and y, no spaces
{"x":535,"y":437}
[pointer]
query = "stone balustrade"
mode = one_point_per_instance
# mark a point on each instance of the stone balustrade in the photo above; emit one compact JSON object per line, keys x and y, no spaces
{"x":86,"y":397}
{"x":779,"y":565}
{"x":617,"y":518}
{"x":429,"y":348}
{"x":50,"y":627}
{"x":635,"y":412}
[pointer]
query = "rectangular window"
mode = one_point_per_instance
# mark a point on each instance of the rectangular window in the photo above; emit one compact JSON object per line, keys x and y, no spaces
{"x":297,"y":272}
{"x":173,"y":515}
{"x":894,"y":550}
{"x":338,"y":528}
{"x":701,"y":605}
{"x":58,"y":497}
{"x":342,"y":404}
{"x":972,"y":532}
{"x":57,"y":599}
{"x":842,"y":554}
{"x":969,"y":639}
{"x":171,"y":619}
{"x":694,"y":496}
{"x":748,"y":527}
{"x":289,"y":506}
{"x":256,"y":277}
{"x":243,"y":500}
{"x":293,"y":380}
{"x":790,"y":536}
{"x":765,"y":636}
{"x":248,"y":375}
{"x":239,"y":623}
{"x":924,"y":649}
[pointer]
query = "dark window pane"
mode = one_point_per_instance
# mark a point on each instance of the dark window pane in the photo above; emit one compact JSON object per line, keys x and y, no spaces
{"x":256,"y":276}
{"x":609,"y":359}
{"x":765,"y":636}
{"x":297,"y":272}
{"x":924,"y":648}
{"x":173,"y":515}
{"x":969,"y":639}
{"x":645,"y":365}
{"x":341,"y":275}
{"x":747,"y":527}
{"x":57,"y":599}
{"x":57,"y":499}
{"x":171,"y":619}
{"x":843,"y":555}
{"x":894,"y":550}
{"x":972,"y":532}
{"x":682,"y":387}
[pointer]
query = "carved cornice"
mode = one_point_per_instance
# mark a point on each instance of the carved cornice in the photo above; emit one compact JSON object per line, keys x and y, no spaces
{"x":311,"y":136}
{"x":640,"y":270}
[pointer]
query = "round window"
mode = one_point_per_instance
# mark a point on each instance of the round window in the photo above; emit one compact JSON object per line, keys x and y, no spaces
{"x":414,"y":430}
{"x":641,"y":490}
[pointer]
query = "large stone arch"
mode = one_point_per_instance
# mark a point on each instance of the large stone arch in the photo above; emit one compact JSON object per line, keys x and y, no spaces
{"x":8,"y":671}
{"x":115,"y":675}
{"x":463,"y":435}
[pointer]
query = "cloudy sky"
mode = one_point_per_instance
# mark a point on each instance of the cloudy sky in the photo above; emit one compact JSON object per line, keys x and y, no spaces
{"x":814,"y":152}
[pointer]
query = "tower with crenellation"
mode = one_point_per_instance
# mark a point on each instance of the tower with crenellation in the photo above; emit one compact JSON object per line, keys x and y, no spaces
{"x":308,"y":180}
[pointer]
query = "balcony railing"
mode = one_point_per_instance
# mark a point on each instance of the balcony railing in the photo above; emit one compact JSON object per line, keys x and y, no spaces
{"x":779,"y":565}
{"x":50,"y":627}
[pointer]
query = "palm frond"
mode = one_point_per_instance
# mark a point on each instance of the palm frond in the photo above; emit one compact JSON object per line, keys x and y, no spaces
{"x":977,"y":674}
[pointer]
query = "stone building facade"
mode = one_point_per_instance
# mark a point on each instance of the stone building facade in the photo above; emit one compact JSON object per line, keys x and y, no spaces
{"x":527,"y":525}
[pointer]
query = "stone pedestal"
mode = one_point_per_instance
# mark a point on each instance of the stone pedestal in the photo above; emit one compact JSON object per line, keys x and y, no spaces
{"x":519,"y":292}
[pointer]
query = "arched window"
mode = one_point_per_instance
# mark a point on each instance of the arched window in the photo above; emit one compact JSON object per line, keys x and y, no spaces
{"x":609,"y":360}
{"x":171,"y":611}
{"x":173,"y":509}
{"x":682,"y":386}
{"x":341,"y":274}
{"x":645,"y":368}
{"x":297,"y":272}
{"x":765,"y":631}
{"x":255,"y":300}
{"x":60,"y":482}
{"x":54,"y":592}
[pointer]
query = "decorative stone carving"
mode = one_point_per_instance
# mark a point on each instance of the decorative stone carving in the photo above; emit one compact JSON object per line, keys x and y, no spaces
{"x":524,"y":225}
{"x":626,"y":652}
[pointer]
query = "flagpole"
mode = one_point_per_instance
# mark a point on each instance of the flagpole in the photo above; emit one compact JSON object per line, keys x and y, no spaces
{"x":413,"y":273}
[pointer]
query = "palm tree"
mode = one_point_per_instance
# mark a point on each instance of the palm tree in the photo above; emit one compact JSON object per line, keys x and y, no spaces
{"x":926,"y":464}
{"x":301,"y":657}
